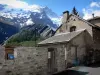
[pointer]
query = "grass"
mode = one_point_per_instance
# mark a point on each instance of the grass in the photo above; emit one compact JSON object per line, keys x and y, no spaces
{"x":24,"y":43}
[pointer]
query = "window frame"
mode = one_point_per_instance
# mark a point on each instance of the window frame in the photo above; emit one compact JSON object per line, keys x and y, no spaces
{"x":9,"y":51}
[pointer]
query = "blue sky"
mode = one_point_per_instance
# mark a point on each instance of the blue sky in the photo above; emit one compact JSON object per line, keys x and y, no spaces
{"x":59,"y":6}
{"x":85,"y":7}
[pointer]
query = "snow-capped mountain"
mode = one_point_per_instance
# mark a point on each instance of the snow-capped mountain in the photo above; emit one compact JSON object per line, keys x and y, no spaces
{"x":28,"y":16}
{"x":53,"y":16}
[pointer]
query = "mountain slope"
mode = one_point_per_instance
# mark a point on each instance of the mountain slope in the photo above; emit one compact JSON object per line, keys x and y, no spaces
{"x":6,"y":31}
{"x":29,"y":34}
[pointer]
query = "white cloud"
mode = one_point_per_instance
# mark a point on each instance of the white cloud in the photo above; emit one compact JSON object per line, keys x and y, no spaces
{"x":95,"y":4}
{"x":20,"y":4}
{"x":35,"y":8}
{"x":90,"y":10}
{"x":87,"y":13}
{"x":57,"y":20}
{"x":14,"y":3}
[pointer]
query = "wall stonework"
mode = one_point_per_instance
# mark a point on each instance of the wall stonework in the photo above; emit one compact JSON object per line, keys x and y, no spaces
{"x":2,"y":55}
{"x":28,"y":61}
{"x":96,"y":38}
{"x":80,"y":44}
{"x":59,"y":56}
{"x":32,"y":61}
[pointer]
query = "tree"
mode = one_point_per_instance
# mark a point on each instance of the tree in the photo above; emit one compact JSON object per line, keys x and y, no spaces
{"x":74,"y":11}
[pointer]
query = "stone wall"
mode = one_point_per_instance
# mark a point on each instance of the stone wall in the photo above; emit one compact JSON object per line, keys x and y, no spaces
{"x":59,"y":56}
{"x":96,"y":37}
{"x":2,"y":54}
{"x":81,"y":44}
{"x":31,"y":61}
{"x":28,"y":61}
{"x":76,"y":45}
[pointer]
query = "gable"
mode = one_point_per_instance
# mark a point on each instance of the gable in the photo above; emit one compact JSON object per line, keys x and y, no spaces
{"x":74,"y":21}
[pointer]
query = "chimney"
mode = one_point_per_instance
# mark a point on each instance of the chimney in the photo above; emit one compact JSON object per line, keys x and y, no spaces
{"x":93,"y":15}
{"x":65,"y":16}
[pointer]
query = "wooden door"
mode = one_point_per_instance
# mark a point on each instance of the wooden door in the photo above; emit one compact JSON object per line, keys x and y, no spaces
{"x":51,"y":60}
{"x":74,"y":55}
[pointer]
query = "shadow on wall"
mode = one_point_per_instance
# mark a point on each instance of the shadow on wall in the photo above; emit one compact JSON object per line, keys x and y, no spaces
{"x":94,"y":65}
{"x":71,"y":72}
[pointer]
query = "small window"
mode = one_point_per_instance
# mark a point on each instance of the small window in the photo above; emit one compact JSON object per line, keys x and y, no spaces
{"x":49,"y":55}
{"x":73,"y":28}
{"x":10,"y":56}
{"x":74,"y":20}
{"x":9,"y":53}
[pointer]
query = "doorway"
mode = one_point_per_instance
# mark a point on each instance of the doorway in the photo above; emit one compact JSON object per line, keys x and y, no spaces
{"x":74,"y":56}
{"x":51,"y":60}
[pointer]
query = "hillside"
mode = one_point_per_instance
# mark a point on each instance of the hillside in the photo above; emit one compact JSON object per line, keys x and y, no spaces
{"x":6,"y":30}
{"x":30,"y":35}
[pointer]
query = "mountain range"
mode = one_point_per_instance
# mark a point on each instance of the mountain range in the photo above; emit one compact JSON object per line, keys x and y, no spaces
{"x":36,"y":15}
{"x":41,"y":18}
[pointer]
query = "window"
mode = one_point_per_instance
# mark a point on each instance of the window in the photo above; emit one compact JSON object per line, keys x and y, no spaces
{"x":73,"y":28}
{"x":9,"y":53}
{"x":74,"y":20}
{"x":49,"y":55}
{"x":10,"y":56}
{"x":50,"y":50}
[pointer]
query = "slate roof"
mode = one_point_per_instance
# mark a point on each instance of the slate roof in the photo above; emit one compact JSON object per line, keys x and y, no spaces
{"x":62,"y":37}
{"x":88,"y":21}
{"x":97,"y":17}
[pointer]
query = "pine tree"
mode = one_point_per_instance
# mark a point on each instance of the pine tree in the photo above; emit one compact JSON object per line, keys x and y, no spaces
{"x":74,"y":11}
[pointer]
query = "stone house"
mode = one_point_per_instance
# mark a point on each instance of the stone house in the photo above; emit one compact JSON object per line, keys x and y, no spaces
{"x":76,"y":42}
{"x":67,"y":49}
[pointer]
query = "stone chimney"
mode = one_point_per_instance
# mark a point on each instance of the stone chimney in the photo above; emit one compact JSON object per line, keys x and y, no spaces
{"x":93,"y":15}
{"x":65,"y":16}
